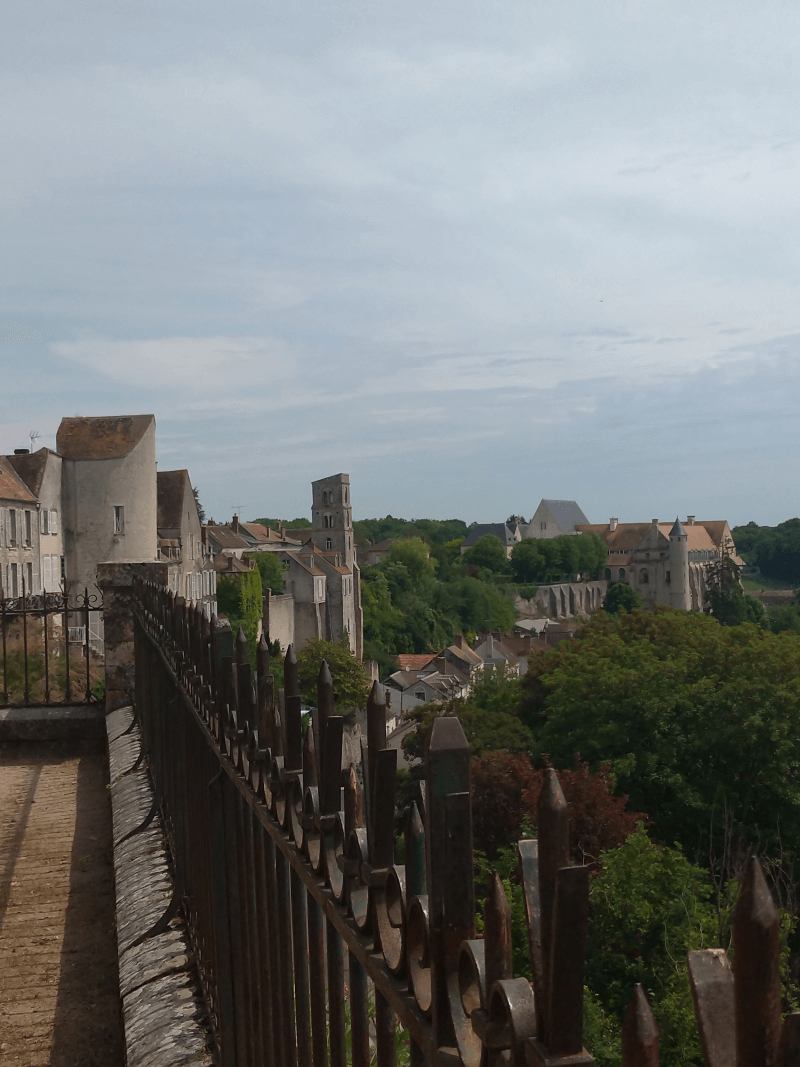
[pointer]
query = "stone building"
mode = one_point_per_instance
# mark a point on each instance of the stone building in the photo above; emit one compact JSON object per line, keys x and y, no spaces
{"x":181,"y":542}
{"x":666,"y":563}
{"x":109,"y":497}
{"x":19,"y":534}
{"x":555,"y":518}
{"x":41,"y":473}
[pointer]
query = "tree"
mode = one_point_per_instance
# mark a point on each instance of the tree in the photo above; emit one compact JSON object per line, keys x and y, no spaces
{"x":505,"y":798}
{"x":271,"y":570}
{"x":414,"y":555}
{"x":527,"y":562}
{"x":475,"y":605}
{"x":240,"y":598}
{"x":621,"y":596}
{"x":728,"y":602}
{"x":649,"y":907}
{"x":201,"y":514}
{"x":485,"y":731}
{"x":697,"y":721}
{"x":488,"y":553}
{"x":350,"y":682}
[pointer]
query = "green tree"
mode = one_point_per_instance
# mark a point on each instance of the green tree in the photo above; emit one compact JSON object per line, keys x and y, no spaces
{"x":271,"y":569}
{"x":350,"y":682}
{"x":414,"y":555}
{"x":488,"y":553}
{"x":240,"y":599}
{"x":475,"y":605}
{"x":700,"y":722}
{"x":783,"y":617}
{"x":486,"y":731}
{"x":649,"y":907}
{"x":527,"y":562}
{"x":621,"y":596}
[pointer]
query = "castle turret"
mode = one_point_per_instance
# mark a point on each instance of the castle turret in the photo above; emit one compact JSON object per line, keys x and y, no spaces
{"x":680,"y":592}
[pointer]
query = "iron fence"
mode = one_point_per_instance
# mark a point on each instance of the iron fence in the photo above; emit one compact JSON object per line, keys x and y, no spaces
{"x":51,"y":649}
{"x":316,"y":948}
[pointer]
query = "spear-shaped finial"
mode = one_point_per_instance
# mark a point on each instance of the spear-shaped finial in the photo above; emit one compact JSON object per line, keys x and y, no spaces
{"x":241,"y":646}
{"x":756,"y":971}
{"x":497,"y":933}
{"x":639,"y":1032}
{"x":291,"y":677}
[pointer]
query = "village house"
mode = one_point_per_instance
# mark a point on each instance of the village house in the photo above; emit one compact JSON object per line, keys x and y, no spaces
{"x":510,"y":536}
{"x":555,"y":518}
{"x":41,"y":473}
{"x":19,"y":534}
{"x":181,"y":542}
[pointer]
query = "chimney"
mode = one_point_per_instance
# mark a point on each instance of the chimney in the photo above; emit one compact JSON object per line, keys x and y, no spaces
{"x":612,"y":524}
{"x":22,"y":451}
{"x":690,"y":520}
{"x":460,"y":642}
{"x":235,"y":524}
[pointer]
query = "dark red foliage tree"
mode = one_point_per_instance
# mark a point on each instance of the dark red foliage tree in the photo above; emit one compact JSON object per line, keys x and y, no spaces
{"x":505,"y":789}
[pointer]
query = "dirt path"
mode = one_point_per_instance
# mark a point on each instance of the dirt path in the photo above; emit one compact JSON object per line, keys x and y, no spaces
{"x":59,"y":1000}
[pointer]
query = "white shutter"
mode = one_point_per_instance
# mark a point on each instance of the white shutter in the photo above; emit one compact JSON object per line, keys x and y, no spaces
{"x":43,"y":520}
{"x":35,"y":587}
{"x":53,"y":520}
{"x":47,"y":575}
{"x":2,"y":527}
{"x":8,"y":528}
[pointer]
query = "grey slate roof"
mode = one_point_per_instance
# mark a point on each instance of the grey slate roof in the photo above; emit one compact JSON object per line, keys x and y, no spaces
{"x":499,"y":529}
{"x":566,"y":513}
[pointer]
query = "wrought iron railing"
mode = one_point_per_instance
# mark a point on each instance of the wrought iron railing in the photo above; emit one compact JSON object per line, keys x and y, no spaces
{"x":314,"y":946}
{"x":51,"y":651}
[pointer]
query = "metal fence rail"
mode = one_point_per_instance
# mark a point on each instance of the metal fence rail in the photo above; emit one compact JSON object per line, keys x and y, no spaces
{"x":50,"y":652}
{"x":314,"y":946}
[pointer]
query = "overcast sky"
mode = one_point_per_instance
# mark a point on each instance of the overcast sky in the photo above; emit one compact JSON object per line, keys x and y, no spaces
{"x":472,"y":253}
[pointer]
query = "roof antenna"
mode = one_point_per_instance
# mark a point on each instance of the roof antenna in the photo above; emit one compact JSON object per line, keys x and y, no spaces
{"x":33,"y":436}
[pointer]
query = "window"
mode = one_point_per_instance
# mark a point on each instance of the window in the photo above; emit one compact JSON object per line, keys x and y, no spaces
{"x":608,"y":574}
{"x":644,"y":578}
{"x":667,"y":578}
{"x":329,"y":544}
{"x":119,"y":519}
{"x":28,"y":529}
{"x":13,"y":580}
{"x":29,"y":578}
{"x":622,"y":574}
{"x":63,"y":568}
{"x":420,"y":694}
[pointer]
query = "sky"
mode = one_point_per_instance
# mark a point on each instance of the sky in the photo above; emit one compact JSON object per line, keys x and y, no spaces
{"x":473,"y":254}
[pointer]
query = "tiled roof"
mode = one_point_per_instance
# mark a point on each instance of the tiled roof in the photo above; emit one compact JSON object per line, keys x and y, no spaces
{"x":109,"y":437}
{"x":499,"y":529}
{"x":31,"y":468}
{"x":12,"y":486}
{"x":414,"y":661}
{"x":225,"y":537}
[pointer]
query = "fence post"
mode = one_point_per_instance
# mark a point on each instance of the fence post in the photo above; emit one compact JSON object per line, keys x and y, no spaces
{"x":115,"y":581}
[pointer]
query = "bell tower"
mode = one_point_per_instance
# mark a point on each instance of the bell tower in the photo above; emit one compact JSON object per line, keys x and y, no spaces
{"x":332,"y":516}
{"x":680,"y":593}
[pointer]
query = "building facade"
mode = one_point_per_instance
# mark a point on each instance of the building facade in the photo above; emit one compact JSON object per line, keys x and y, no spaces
{"x":19,"y":535}
{"x":181,"y":541}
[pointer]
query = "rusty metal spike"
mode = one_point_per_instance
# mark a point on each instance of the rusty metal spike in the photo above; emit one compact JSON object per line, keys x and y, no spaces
{"x":640,"y":1033}
{"x":291,"y":678}
{"x":383,"y":808}
{"x":241,"y":646}
{"x":353,"y":809}
{"x":790,"y":1041}
{"x":756,"y":971}
{"x":553,"y":855}
{"x":414,"y":853}
{"x":262,"y":657}
{"x":294,"y":733}
{"x":711,"y":979}
{"x":567,"y":962}
{"x":310,"y":775}
{"x":497,"y":933}
{"x":324,"y":710}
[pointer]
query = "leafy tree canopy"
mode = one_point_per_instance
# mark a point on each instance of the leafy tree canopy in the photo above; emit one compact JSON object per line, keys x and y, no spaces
{"x":271,"y":570}
{"x":350,"y":682}
{"x":774,"y":550}
{"x":488,"y":552}
{"x":239,"y":598}
{"x":696,"y":719}
{"x":621,"y":596}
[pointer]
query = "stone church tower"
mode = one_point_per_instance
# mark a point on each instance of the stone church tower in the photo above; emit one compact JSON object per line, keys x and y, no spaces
{"x":332,"y":517}
{"x":680,"y":592}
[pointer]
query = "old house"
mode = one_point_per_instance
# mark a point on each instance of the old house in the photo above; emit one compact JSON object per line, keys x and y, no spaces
{"x":109,"y":497}
{"x":181,"y":542}
{"x":41,"y":472}
{"x":19,"y":534}
{"x":555,"y":518}
{"x":509,"y":535}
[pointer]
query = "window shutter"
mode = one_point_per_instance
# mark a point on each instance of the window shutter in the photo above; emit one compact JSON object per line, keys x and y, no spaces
{"x":8,"y":529}
{"x":43,"y":520}
{"x":35,"y":587}
{"x":2,"y":529}
{"x":47,"y":566}
{"x":53,"y":520}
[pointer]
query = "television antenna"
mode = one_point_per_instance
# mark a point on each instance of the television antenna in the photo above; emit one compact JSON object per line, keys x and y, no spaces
{"x":33,"y":437}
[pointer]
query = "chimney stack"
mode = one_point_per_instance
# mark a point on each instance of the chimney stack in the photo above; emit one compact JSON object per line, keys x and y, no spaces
{"x":612,"y":524}
{"x":235,"y":524}
{"x":690,"y":520}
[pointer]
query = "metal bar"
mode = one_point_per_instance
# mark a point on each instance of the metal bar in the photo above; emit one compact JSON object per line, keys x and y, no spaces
{"x":251,"y":936}
{"x":86,"y":649}
{"x":359,"y":1016}
{"x":553,"y":856}
{"x":302,"y":1004}
{"x":385,"y":1026}
{"x":276,"y":937}
{"x":226,"y":1023}
{"x":316,"y":975}
{"x":568,"y":947}
{"x":263,"y":905}
{"x":27,"y":692}
{"x":284,"y":909}
{"x":711,"y":979}
{"x":336,"y":997}
{"x":230,"y":804}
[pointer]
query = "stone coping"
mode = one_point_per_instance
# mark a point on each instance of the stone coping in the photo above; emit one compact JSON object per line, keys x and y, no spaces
{"x":54,"y":723}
